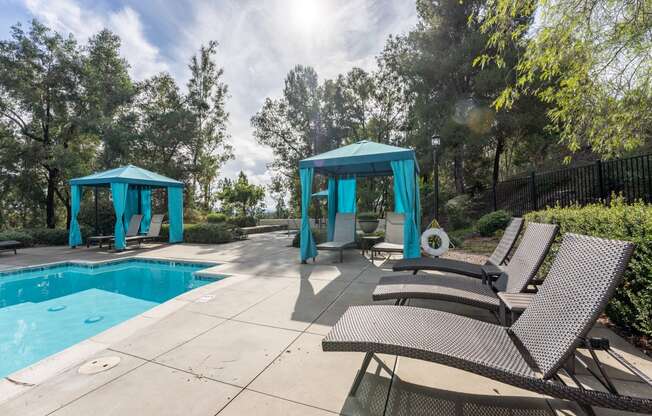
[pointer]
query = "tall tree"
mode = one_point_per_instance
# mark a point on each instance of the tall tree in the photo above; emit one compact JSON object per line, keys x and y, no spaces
{"x":40,"y":74}
{"x":165,"y":128}
{"x":207,"y":95}
{"x":241,"y":196}
{"x":107,"y":94}
{"x":588,"y":58}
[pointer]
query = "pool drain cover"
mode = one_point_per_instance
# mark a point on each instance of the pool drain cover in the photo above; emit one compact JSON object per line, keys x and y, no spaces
{"x":98,"y":365}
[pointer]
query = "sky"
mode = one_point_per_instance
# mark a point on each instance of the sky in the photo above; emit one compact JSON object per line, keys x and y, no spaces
{"x":259,"y":42}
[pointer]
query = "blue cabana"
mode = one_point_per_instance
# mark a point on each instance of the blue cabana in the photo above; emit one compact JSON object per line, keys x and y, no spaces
{"x":362,"y":159}
{"x":131,"y":190}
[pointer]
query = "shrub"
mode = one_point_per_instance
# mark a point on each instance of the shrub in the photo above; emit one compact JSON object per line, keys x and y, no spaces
{"x":17,"y":235}
{"x":206,"y":233}
{"x":192,"y":215}
{"x":458,"y":210}
{"x":216,"y":217}
{"x":318,"y":234}
{"x":488,"y":224}
{"x":105,"y":215}
{"x":203,"y":233}
{"x":242,"y":221}
{"x":48,"y":236}
{"x":631,"y":306}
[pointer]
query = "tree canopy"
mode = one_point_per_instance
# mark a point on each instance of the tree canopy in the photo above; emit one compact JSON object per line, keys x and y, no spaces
{"x":68,"y":109}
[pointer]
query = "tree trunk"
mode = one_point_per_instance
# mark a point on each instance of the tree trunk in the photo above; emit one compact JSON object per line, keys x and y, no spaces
{"x":500,"y":146}
{"x":50,"y":219}
{"x":458,"y":171}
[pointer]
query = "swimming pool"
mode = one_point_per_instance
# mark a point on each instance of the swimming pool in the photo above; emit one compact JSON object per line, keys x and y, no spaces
{"x":44,"y":310}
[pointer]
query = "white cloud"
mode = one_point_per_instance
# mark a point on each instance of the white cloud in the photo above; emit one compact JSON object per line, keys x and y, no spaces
{"x":67,"y":16}
{"x":260,"y":41}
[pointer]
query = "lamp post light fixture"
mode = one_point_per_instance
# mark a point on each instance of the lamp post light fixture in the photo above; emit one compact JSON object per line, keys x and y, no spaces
{"x":436,"y":141}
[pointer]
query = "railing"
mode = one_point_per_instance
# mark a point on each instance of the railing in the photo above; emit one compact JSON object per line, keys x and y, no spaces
{"x":595,"y":182}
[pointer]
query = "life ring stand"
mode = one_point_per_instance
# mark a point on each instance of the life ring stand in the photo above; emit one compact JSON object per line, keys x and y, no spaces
{"x":443,"y":237}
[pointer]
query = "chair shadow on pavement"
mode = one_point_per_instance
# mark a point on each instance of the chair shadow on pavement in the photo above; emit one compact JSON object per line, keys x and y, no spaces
{"x":407,"y":399}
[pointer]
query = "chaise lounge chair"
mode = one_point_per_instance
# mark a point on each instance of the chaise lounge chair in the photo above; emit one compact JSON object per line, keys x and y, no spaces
{"x":152,"y":234}
{"x":490,"y":268}
{"x":132,"y":230}
{"x":531,"y":353}
{"x":10,"y":245}
{"x":344,"y":235}
{"x":393,"y":235}
{"x":515,"y":278}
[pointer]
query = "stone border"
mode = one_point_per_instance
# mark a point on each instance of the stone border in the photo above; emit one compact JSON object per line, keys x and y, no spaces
{"x":22,"y":380}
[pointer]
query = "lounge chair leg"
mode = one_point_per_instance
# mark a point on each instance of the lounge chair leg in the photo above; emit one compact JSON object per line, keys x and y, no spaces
{"x":361,"y":373}
{"x":398,"y":302}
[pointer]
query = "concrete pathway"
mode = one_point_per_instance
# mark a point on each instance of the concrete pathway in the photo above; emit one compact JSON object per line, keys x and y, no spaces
{"x":251,"y":344}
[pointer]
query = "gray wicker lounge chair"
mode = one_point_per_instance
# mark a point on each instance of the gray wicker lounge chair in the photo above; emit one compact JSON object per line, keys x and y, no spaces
{"x":531,"y":354}
{"x":515,"y":277}
{"x":152,"y":234}
{"x":344,"y":235}
{"x":132,"y":230}
{"x":394,"y":223}
{"x":490,"y":268}
{"x":10,"y":245}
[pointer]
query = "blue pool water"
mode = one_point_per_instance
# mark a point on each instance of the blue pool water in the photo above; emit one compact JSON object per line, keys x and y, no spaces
{"x":45,"y":310}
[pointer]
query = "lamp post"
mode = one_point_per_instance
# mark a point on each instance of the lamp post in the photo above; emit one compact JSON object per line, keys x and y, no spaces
{"x":436,"y":141}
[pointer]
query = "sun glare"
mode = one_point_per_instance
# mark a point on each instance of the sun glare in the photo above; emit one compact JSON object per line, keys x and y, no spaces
{"x":308,"y":15}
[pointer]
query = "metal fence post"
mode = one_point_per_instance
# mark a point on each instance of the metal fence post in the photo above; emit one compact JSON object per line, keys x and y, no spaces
{"x":533,"y":190}
{"x":601,"y":187}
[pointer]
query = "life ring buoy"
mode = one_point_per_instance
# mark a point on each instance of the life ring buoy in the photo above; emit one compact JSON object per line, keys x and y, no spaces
{"x":443,"y":237}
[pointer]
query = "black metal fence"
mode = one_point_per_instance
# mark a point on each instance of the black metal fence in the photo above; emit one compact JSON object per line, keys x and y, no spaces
{"x":631,"y":177}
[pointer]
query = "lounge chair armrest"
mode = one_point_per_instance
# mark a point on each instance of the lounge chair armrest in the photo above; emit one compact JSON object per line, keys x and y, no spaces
{"x":490,"y":273}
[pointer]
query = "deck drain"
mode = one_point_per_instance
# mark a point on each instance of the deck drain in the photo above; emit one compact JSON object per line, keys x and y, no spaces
{"x":98,"y":365}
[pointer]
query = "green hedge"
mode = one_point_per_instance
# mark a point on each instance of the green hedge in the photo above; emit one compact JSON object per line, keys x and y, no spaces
{"x":488,"y":224}
{"x":41,"y":236}
{"x":216,"y":217}
{"x":631,"y":307}
{"x":203,"y":233}
{"x":17,"y":235}
{"x":242,"y":221}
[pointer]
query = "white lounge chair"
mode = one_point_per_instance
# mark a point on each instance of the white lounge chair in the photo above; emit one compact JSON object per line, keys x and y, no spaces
{"x":134,"y":226}
{"x":344,"y":235}
{"x":152,"y":234}
{"x":393,"y":235}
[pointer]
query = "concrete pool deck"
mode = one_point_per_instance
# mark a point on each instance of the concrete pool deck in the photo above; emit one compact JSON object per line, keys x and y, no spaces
{"x":251,"y":344}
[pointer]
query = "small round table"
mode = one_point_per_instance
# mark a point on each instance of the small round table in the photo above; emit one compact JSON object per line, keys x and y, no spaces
{"x":368,"y":241}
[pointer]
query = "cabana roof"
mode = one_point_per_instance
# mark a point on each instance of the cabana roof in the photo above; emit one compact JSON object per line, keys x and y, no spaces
{"x":364,"y":158}
{"x":127,"y":174}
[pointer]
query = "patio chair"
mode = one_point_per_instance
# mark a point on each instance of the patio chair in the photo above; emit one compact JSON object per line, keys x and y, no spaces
{"x":490,"y":268}
{"x":344,"y":235}
{"x":132,"y":230}
{"x":532,"y":353}
{"x":152,"y":234}
{"x":393,"y":235}
{"x":515,"y":278}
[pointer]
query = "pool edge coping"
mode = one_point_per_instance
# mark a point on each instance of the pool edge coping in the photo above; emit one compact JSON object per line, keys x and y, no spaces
{"x":23,"y":380}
